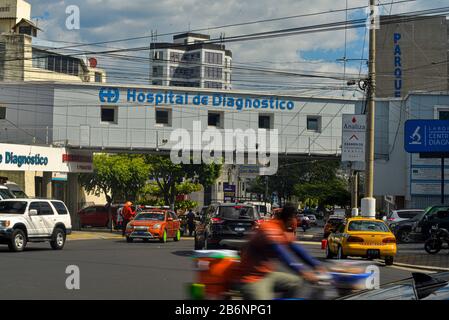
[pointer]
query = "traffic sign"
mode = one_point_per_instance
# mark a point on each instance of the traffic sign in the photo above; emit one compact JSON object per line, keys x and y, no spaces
{"x":422,"y":136}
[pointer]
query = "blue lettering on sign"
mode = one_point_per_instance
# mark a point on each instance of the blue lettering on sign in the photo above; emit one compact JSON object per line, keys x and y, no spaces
{"x":20,"y":160}
{"x":112,"y":95}
{"x":426,"y":136}
{"x":397,"y":66}
{"x":109,"y":95}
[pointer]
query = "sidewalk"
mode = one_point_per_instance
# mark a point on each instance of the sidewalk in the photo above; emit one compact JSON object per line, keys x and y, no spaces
{"x":94,"y":235}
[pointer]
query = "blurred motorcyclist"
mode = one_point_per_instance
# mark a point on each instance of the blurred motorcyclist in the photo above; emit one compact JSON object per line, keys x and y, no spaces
{"x":272,"y":241}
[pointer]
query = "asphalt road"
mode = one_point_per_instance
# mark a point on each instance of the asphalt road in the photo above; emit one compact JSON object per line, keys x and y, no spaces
{"x":112,"y":269}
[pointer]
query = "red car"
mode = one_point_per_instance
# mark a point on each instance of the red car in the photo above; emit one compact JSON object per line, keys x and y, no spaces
{"x":97,"y":216}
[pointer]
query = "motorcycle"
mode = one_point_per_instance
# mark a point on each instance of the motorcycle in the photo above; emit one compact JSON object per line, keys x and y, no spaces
{"x":215,"y":271}
{"x":438,"y":236}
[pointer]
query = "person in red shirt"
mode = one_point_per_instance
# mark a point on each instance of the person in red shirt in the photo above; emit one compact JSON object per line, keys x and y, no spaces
{"x":273,"y":241}
{"x":128,"y":214}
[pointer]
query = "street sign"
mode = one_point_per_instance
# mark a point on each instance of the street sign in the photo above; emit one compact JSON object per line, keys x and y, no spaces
{"x":422,"y":136}
{"x":353,"y":137}
{"x":229,"y":191}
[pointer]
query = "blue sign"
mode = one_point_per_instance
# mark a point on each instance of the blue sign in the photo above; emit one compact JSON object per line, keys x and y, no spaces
{"x":109,"y":95}
{"x":424,"y":136}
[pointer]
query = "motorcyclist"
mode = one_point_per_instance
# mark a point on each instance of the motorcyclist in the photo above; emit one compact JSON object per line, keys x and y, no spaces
{"x":272,"y":241}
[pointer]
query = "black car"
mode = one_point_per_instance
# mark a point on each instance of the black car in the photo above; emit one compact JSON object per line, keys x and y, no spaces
{"x":418,"y":228}
{"x":225,"y":222}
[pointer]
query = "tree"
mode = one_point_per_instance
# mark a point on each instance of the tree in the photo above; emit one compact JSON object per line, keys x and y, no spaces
{"x":332,"y":192}
{"x":171,"y":178}
{"x":119,"y":177}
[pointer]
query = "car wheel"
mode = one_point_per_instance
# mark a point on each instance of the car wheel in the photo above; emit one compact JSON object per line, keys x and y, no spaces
{"x":389,"y":261}
{"x":178,"y":236}
{"x":404,"y":236}
{"x":433,"y":246}
{"x":18,"y":241}
{"x":329,"y":254}
{"x":340,"y":254}
{"x":129,"y":240}
{"x":58,"y":239}
{"x":164,"y":237}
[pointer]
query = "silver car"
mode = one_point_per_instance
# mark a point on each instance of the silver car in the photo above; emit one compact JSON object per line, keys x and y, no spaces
{"x":402,"y":215}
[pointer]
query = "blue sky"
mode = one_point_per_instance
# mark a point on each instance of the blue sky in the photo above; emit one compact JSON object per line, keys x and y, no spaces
{"x":104,"y":20}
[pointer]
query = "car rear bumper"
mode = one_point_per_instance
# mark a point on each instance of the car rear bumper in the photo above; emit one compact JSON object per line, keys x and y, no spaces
{"x":363,"y":251}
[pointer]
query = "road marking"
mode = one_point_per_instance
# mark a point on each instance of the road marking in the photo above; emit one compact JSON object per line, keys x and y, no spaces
{"x":411,"y":269}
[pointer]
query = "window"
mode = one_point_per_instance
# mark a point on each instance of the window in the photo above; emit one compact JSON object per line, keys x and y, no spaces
{"x":213,"y":73}
{"x":60,"y":208}
{"x":109,"y":114}
{"x":213,"y":85}
{"x":2,"y":113}
{"x":214,"y":119}
{"x":157,"y":72}
{"x":45,"y":209}
{"x":265,"y":121}
{"x":314,"y":123}
{"x":214,"y":58}
{"x":163,"y":117}
{"x":98,"y":77}
{"x":158,"y":55}
{"x":443,"y":115}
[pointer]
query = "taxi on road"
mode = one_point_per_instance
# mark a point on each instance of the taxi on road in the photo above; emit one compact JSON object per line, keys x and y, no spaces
{"x":158,"y":224}
{"x":362,"y":237}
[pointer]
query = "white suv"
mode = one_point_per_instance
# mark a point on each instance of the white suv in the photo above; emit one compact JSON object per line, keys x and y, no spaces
{"x":33,"y":220}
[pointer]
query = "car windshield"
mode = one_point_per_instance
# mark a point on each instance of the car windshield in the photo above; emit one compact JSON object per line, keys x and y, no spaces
{"x":150,"y":216}
{"x":237,"y":212}
{"x":6,"y":194}
{"x":12,"y":207}
{"x":366,"y":225}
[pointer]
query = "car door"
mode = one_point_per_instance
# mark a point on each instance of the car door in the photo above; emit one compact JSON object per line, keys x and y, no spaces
{"x":89,"y":216}
{"x":176,"y":223}
{"x":36,"y":222}
{"x":48,"y":217}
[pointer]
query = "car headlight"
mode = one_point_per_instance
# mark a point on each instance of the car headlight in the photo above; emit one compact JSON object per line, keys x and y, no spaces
{"x":5,"y":223}
{"x":157,"y":226}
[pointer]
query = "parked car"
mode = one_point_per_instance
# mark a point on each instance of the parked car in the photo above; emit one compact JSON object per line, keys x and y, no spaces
{"x":158,"y":224}
{"x":303,"y":221}
{"x":362,"y":237}
{"x":313,"y":220}
{"x":97,"y":216}
{"x":401,"y":215}
{"x":33,"y":220}
{"x":225,"y":221}
{"x":5,"y":193}
{"x":331,"y":225}
{"x":418,"y":228}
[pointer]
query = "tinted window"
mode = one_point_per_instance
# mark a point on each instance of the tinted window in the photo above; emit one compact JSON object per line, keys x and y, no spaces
{"x":60,"y":207}
{"x":46,"y":210}
{"x":238,"y":212}
{"x":408,"y":214}
{"x":365,"y":225}
{"x":35,"y":206}
{"x":6,"y":194}
{"x":12,"y":207}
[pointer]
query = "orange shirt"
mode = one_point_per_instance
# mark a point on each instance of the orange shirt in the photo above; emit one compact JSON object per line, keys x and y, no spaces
{"x":257,"y":258}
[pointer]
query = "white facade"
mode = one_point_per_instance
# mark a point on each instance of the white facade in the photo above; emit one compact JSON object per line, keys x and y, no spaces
{"x":189,"y":62}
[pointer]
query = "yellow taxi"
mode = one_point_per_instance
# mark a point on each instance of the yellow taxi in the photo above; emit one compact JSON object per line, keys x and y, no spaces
{"x":362,"y":237}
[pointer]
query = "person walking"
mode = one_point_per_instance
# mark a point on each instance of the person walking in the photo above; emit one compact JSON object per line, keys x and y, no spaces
{"x":128,"y":214}
{"x":191,"y":222}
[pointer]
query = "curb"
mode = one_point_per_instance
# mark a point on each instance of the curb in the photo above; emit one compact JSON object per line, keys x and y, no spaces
{"x":412,"y":266}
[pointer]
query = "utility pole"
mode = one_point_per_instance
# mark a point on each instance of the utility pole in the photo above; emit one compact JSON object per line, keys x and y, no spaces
{"x":369,"y":203}
{"x":354,"y":192}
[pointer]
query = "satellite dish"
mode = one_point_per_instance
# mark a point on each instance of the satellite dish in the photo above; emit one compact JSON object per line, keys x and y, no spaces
{"x":93,"y":62}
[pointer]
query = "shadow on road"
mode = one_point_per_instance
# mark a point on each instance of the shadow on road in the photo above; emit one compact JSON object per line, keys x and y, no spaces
{"x":184,"y":253}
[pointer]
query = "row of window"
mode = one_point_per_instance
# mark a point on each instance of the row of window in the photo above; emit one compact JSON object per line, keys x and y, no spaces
{"x":213,"y":85}
{"x":163,"y":117}
{"x":213,"y":58}
{"x":60,"y":64}
{"x":213,"y":73}
{"x":186,"y":73}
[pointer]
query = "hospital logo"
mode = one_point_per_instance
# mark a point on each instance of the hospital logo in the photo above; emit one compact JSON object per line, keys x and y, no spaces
{"x":416,"y":137}
{"x":109,"y":95}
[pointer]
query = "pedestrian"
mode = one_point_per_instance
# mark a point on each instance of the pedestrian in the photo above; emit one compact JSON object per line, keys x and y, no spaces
{"x":191,"y":222}
{"x":128,"y":214}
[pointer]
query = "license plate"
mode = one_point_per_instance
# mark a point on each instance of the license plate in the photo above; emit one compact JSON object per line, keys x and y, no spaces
{"x":140,"y":233}
{"x":372,"y":253}
{"x":239,"y":229}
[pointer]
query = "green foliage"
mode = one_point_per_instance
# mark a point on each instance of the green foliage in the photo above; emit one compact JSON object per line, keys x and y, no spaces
{"x":332,"y":192}
{"x":119,"y":177}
